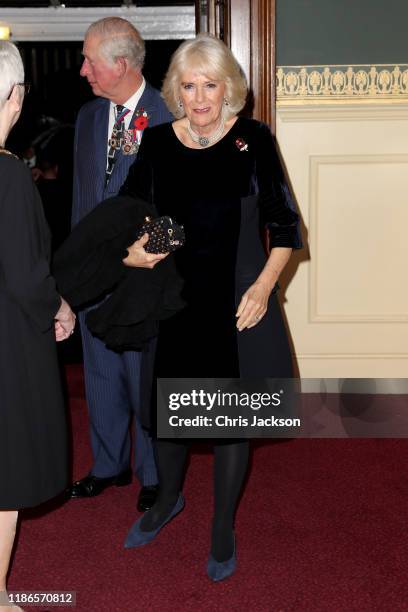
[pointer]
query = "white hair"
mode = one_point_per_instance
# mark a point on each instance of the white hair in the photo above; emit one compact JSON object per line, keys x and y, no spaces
{"x":11,"y":69}
{"x":208,"y":56}
{"x":119,"y":38}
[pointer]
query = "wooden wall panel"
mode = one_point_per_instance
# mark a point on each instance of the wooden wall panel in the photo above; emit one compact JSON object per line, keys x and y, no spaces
{"x":248,"y":27}
{"x":262,"y":59}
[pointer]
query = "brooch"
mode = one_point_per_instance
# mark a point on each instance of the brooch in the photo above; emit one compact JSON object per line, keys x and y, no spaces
{"x":132,"y":137}
{"x":241,"y":144}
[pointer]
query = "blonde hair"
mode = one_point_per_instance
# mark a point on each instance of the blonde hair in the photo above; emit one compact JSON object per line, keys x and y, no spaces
{"x":209,"y":56}
{"x":11,"y":69}
{"x":119,"y":38}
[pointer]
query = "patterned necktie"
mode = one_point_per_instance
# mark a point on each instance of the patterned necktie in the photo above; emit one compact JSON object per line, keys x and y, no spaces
{"x":116,"y":139}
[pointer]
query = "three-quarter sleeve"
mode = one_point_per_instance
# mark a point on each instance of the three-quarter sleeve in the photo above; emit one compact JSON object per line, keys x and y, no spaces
{"x":276,"y":203}
{"x":139,"y":181}
{"x":24,"y":268}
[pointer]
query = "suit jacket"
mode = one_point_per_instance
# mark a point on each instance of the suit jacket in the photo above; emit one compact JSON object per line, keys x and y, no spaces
{"x":90,"y":151}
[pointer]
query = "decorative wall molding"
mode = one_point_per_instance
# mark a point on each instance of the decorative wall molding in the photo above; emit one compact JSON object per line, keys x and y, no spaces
{"x":353,"y":365}
{"x":336,"y":162}
{"x":347,"y":163}
{"x":351,"y":84}
{"x":363,"y":386}
{"x":70,"y":24}
{"x":341,"y":110}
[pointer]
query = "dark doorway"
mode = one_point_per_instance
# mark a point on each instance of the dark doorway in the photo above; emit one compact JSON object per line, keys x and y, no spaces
{"x":58,"y":91}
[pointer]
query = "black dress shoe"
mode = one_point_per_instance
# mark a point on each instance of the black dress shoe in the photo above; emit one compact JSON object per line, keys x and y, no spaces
{"x":147,"y":497}
{"x":91,"y":486}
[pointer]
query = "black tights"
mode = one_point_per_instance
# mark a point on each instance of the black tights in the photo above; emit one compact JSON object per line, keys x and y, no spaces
{"x":230,"y":465}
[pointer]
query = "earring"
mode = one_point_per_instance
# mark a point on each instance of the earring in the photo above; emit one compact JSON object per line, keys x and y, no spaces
{"x":180,"y":104}
{"x":226,"y":103}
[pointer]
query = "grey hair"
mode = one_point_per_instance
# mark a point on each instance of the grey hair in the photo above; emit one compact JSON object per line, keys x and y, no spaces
{"x":119,"y":38}
{"x":209,"y":56}
{"x":11,"y":69}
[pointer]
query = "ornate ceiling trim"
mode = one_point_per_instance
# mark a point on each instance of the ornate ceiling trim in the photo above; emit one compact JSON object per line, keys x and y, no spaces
{"x":69,"y":24}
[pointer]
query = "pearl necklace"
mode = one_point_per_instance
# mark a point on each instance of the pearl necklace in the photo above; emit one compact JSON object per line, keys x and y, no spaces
{"x":204,"y":141}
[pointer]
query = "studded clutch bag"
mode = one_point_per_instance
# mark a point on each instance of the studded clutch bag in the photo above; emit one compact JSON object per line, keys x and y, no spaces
{"x":165,"y":235}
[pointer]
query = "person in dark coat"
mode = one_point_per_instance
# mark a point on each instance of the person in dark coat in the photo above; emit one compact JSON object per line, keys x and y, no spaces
{"x":33,"y":457}
{"x":54,"y":182}
{"x":108,"y":132}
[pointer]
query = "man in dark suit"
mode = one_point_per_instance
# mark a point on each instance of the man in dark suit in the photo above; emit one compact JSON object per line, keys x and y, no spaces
{"x":108,"y":133}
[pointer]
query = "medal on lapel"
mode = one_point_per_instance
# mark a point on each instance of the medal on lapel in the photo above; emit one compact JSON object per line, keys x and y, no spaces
{"x":115,"y":141}
{"x":132,"y":137}
{"x":129,"y":146}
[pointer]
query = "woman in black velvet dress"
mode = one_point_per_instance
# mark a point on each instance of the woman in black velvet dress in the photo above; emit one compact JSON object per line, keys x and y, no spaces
{"x":33,"y":457}
{"x":218,"y":175}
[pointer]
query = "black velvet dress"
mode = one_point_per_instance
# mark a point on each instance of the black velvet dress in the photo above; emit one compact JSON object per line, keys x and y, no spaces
{"x":224,"y":195}
{"x":33,"y":441}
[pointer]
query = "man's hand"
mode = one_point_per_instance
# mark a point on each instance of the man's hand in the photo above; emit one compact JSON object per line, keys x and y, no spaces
{"x":139,"y":258}
{"x":64,"y":322}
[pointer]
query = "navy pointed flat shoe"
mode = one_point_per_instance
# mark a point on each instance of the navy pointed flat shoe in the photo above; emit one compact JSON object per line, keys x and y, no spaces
{"x":136,"y":537}
{"x":220,"y":570}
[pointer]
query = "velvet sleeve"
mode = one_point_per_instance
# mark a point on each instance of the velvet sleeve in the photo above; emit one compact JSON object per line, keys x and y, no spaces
{"x":139,"y":181}
{"x":277,"y":206}
{"x":24,"y":268}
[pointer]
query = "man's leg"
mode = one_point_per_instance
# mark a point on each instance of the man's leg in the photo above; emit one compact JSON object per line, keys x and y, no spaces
{"x":108,"y":404}
{"x":145,"y":466}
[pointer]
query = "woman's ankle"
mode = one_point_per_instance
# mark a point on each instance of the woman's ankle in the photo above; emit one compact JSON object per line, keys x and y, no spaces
{"x":222,"y":541}
{"x":158,"y":513}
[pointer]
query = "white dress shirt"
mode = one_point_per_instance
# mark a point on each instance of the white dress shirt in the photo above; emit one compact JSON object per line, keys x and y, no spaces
{"x":131,"y":104}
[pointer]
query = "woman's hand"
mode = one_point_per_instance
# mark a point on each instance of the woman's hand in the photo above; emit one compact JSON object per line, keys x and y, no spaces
{"x":139,"y":258}
{"x":254,"y":302}
{"x":253,"y":305}
{"x":64,"y":322}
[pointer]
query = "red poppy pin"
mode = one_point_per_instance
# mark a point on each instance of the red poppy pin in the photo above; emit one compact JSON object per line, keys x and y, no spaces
{"x":141,"y":120}
{"x":141,"y":123}
{"x":241,"y":144}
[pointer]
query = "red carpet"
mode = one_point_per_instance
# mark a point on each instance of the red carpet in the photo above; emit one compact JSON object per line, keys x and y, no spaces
{"x":322,"y":526}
